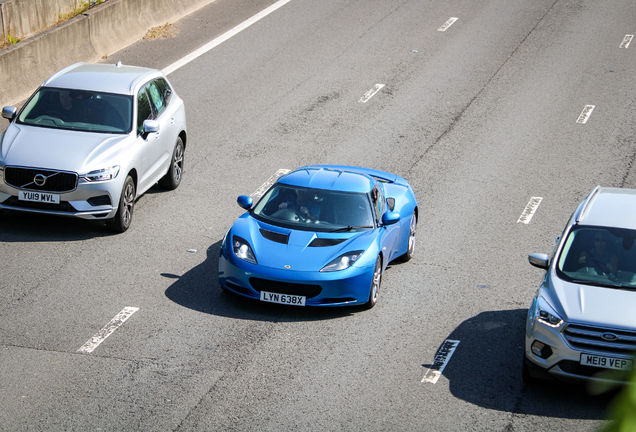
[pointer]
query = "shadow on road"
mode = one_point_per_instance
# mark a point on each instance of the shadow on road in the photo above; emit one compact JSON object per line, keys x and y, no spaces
{"x":199,"y":289}
{"x":485,"y":370}
{"x":19,"y":227}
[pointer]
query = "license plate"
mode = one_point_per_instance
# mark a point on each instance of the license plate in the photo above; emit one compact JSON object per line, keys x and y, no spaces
{"x":606,"y":362}
{"x":282,"y":298}
{"x":39,"y":197}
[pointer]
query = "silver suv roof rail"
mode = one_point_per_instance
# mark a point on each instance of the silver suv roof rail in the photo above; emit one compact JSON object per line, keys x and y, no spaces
{"x":585,"y":205}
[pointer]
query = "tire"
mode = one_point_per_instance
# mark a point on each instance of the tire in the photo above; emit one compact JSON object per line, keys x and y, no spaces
{"x":410,"y":249}
{"x":375,"y":284}
{"x":172,"y":179}
{"x":123,"y":218}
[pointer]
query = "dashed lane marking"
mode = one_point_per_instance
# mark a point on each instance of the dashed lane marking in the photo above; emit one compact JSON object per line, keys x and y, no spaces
{"x":442,"y":358}
{"x":626,"y":41}
{"x":113,"y":325}
{"x":447,"y":24}
{"x":270,"y":181}
{"x":530,"y":210}
{"x":585,"y":114}
{"x":368,"y":95}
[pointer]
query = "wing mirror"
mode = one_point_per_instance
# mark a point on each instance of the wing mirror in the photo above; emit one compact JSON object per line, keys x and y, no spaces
{"x":150,"y":126}
{"x":8,"y":112}
{"x":539,"y":260}
{"x":245,"y":202}
{"x":391,"y":217}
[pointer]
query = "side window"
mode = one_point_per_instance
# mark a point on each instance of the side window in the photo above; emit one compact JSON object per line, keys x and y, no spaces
{"x":378,"y":202}
{"x":165,"y":89}
{"x":157,"y":97}
{"x":144,"y":111}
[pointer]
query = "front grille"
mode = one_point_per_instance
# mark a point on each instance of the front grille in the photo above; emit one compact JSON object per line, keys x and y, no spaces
{"x":590,"y":338}
{"x":309,"y":291}
{"x":55,"y":181}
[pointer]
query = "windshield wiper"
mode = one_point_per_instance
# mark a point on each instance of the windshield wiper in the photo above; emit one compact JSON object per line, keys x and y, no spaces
{"x":604,"y":284}
{"x":349,"y":228}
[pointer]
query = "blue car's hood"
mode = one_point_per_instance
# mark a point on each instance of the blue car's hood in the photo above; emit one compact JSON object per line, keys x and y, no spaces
{"x":57,"y":149}
{"x":297,"y":254}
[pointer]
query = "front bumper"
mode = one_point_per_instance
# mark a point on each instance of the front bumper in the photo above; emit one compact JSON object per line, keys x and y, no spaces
{"x":330,"y":289}
{"x":97,"y":200}
{"x":564,"y":362}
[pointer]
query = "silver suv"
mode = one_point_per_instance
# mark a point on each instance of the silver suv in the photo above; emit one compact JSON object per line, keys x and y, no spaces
{"x":90,"y":140}
{"x":582,"y":321}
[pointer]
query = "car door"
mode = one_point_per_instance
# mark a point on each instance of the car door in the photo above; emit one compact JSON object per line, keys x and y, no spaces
{"x":389,"y":232}
{"x":157,"y":147}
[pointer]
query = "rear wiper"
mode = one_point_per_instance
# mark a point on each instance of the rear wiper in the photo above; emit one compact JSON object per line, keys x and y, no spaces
{"x":349,"y":228}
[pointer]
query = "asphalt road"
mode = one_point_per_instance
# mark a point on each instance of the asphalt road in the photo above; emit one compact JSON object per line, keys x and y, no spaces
{"x":480,"y":118}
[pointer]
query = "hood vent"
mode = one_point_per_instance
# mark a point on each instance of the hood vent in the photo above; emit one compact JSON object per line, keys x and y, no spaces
{"x":324,"y":242}
{"x":274,"y":236}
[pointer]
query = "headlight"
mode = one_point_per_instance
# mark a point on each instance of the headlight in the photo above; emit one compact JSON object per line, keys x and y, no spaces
{"x":344,"y":261}
{"x":102,"y":174}
{"x":546,"y":314}
{"x":243,"y":250}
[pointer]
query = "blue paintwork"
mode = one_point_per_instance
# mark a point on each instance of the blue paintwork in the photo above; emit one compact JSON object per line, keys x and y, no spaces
{"x":297,"y":262}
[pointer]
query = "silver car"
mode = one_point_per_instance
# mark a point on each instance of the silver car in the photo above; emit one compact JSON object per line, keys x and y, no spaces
{"x":91,"y":140}
{"x":582,"y":322}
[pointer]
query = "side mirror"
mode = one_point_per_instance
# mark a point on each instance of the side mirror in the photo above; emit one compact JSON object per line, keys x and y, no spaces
{"x":389,"y":218}
{"x":150,"y":126}
{"x":8,"y":112}
{"x":245,"y":202}
{"x":539,"y":260}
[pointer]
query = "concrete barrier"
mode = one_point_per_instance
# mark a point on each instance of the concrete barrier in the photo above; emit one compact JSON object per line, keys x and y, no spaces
{"x":101,"y":31}
{"x":23,"y":18}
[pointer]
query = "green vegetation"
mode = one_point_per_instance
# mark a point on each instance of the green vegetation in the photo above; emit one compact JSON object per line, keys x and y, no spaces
{"x":83,"y":7}
{"x":12,"y":40}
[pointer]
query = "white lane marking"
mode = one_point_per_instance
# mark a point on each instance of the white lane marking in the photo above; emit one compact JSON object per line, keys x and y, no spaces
{"x":99,"y":337}
{"x":368,"y":95}
{"x":530,"y":210}
{"x":225,"y":36}
{"x":442,"y":358}
{"x":270,"y":181}
{"x":626,"y":41}
{"x":585,"y":114}
{"x":447,"y":24}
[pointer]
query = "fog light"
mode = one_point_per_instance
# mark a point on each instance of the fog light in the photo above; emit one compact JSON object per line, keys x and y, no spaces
{"x":541,"y":350}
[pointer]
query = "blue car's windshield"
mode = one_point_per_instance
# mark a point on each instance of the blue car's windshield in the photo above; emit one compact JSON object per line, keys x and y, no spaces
{"x":599,"y":256}
{"x":78,"y":110}
{"x":314,"y":209}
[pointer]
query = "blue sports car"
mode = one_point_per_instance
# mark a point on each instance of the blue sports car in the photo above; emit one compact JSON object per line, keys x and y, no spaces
{"x":322,"y":235}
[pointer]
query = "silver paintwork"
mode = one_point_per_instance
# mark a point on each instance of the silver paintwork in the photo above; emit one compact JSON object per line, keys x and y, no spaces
{"x":596,"y":319}
{"x":145,"y":157}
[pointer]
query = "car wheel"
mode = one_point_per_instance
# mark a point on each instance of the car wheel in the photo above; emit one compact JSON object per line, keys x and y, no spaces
{"x":123,"y":217}
{"x":411,"y":241}
{"x":375,"y":284}
{"x":172,"y":179}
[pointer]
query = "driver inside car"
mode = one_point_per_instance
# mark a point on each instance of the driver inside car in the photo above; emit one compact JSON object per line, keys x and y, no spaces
{"x":303,"y":203}
{"x":599,"y":255}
